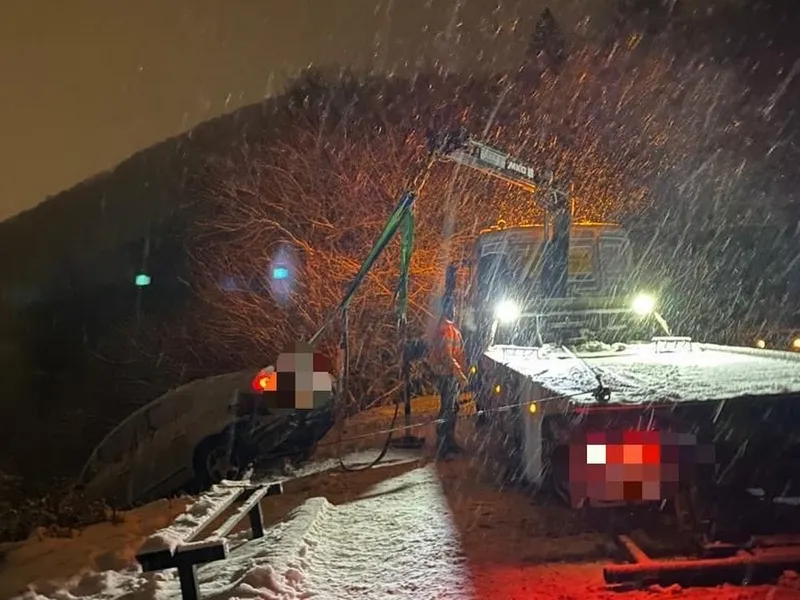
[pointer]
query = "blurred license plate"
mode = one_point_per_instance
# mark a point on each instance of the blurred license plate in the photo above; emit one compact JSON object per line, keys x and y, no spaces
{"x":628,"y":466}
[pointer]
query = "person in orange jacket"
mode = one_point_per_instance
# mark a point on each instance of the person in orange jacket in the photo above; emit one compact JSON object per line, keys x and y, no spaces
{"x":448,"y":362}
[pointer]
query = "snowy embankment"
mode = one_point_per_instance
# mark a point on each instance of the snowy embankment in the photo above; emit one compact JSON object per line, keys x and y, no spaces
{"x":397,"y":540}
{"x":272,"y":567}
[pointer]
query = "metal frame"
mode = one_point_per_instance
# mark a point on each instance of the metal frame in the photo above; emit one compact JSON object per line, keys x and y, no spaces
{"x":187,"y":557}
{"x":764,"y":558}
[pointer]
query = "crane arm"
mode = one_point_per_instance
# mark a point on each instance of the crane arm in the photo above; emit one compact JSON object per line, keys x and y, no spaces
{"x":460,"y":148}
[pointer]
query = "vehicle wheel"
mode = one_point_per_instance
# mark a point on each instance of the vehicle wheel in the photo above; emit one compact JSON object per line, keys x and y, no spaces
{"x":215,"y":460}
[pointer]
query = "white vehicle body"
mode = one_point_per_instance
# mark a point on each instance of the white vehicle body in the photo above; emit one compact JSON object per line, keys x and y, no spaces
{"x":151,"y":452}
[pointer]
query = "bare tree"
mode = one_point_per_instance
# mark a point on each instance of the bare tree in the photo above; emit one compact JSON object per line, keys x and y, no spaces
{"x":341,"y":150}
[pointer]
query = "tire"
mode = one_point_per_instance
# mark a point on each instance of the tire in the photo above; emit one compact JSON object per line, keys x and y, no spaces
{"x":215,"y":459}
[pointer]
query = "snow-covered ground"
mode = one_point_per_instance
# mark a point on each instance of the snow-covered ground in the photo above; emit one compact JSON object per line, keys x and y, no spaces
{"x":638,"y":373}
{"x":408,"y":529}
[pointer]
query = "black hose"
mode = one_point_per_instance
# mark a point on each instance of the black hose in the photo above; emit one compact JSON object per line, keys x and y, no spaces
{"x":394,"y":428}
{"x":343,"y":394}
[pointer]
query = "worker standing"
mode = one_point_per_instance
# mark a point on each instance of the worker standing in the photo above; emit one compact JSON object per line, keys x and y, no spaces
{"x":446,"y":359}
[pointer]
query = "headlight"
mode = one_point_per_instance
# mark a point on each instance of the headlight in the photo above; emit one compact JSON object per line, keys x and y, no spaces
{"x":644,"y":304}
{"x":761,"y":344}
{"x":507,"y":311}
{"x":796,"y":344}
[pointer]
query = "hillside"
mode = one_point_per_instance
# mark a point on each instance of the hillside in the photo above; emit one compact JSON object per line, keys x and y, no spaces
{"x":80,"y":228}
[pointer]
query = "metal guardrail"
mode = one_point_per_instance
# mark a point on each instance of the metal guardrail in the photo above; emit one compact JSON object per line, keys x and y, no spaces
{"x":192,"y":550}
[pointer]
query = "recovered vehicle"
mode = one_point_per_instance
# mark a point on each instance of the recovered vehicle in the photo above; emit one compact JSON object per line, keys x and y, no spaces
{"x":197,"y":435}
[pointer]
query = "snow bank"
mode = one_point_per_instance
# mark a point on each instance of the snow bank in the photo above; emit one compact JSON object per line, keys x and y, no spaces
{"x":273,"y":567}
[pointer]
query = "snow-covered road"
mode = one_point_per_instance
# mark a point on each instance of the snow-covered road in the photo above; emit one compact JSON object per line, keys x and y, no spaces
{"x":398,"y":541}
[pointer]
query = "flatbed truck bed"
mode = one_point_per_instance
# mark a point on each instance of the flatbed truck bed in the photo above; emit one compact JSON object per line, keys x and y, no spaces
{"x":638,"y":373}
{"x":732,"y":412}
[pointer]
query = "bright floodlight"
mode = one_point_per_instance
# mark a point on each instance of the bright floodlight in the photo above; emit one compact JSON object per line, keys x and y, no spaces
{"x":644,"y":304}
{"x":507,"y":311}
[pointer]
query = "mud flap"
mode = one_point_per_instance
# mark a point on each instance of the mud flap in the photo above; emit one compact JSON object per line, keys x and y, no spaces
{"x":532,"y":442}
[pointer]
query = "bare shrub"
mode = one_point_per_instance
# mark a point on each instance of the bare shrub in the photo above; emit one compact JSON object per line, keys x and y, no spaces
{"x":325,"y":173}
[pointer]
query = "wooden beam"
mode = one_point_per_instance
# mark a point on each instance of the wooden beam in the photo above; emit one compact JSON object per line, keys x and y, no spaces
{"x":252,"y":502}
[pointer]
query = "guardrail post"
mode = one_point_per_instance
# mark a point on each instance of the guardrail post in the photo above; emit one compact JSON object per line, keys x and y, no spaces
{"x":256,"y":521}
{"x":185,"y":557}
{"x":188,"y":577}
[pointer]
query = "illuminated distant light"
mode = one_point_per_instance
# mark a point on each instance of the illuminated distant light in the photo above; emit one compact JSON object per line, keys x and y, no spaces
{"x":761,"y":344}
{"x":473,"y":369}
{"x":796,"y":343}
{"x":279,"y":273}
{"x":497,"y":389}
{"x":532,"y":408}
{"x":142,"y":280}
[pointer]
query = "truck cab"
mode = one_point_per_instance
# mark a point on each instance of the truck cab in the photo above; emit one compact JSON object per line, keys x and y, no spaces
{"x":505,"y":284}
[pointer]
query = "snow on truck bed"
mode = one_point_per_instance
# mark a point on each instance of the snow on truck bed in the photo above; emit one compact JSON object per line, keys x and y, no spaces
{"x":638,"y":374}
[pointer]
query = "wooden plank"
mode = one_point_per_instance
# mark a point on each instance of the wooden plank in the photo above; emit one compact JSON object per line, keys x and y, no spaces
{"x":234,"y":493}
{"x":275,"y":489}
{"x":190,"y":590}
{"x":156,"y":561}
{"x":256,"y":521}
{"x":166,"y":558}
{"x":256,"y":494}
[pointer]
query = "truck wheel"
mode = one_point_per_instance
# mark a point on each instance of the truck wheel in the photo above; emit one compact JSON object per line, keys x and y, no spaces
{"x":215,"y":460}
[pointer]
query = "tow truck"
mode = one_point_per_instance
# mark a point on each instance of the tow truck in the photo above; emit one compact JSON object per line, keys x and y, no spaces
{"x":593,"y":395}
{"x":569,"y":281}
{"x":582,"y":407}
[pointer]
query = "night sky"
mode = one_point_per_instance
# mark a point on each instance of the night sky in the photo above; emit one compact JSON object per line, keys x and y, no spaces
{"x":86,"y":83}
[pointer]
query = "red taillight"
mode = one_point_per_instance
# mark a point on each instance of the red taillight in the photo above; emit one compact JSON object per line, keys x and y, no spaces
{"x":263,"y":382}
